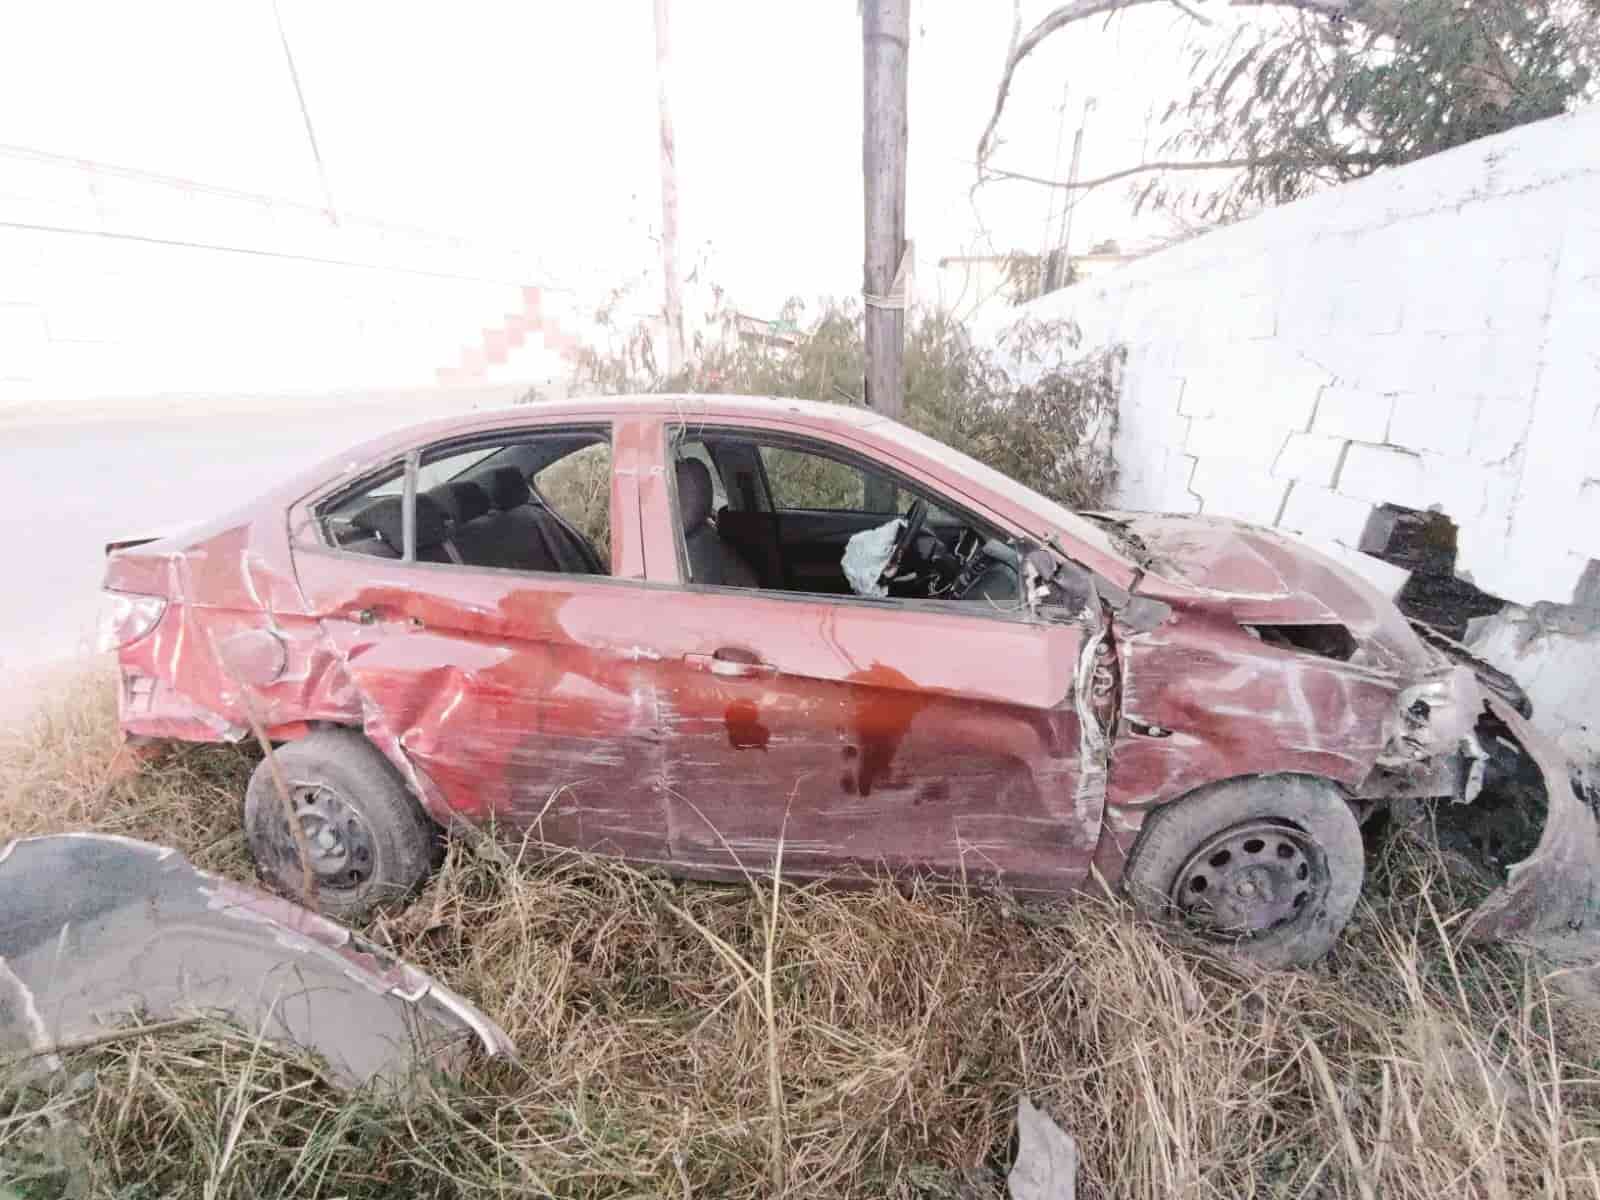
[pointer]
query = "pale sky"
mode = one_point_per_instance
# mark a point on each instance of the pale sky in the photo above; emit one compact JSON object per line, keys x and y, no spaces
{"x":533,"y":125}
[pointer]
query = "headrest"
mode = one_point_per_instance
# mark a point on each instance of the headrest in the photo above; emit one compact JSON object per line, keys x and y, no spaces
{"x":694,"y":493}
{"x":383,"y":518}
{"x":463,"y":499}
{"x":507,"y":487}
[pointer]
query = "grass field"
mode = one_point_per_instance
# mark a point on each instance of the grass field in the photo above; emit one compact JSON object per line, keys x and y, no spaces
{"x":691,"y":1041}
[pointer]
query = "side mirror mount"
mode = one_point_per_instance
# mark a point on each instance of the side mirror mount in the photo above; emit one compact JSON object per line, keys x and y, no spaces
{"x":1052,"y":583}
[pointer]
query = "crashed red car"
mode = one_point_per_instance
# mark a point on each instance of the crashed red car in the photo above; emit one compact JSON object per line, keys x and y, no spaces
{"x":681,"y":630}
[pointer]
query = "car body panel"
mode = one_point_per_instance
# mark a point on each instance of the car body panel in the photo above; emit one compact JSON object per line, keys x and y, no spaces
{"x":102,"y":928}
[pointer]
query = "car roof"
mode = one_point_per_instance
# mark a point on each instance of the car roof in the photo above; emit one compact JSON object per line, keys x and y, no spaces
{"x":697,"y":403}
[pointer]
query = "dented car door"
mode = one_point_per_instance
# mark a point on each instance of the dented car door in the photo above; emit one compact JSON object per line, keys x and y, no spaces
{"x":517,"y":697}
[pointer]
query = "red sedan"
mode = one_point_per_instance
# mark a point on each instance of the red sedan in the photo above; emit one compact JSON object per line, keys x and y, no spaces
{"x":682,"y":630}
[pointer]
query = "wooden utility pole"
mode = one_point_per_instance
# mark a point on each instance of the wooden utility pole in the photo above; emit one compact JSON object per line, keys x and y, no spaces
{"x":885,"y":46}
{"x":669,"y":197}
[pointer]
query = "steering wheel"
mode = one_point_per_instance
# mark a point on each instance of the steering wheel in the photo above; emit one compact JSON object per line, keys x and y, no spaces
{"x":916,"y":516}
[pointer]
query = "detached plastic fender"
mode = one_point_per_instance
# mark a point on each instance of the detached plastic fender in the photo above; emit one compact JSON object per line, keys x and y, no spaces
{"x":101,"y":928}
{"x":1554,"y":893}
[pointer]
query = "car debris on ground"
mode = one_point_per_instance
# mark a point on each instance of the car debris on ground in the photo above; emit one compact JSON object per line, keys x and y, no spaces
{"x":101,"y":929}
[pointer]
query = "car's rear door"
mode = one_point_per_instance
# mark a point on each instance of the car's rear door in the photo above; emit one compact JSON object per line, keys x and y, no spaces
{"x":518,"y":694}
{"x":865,"y":733}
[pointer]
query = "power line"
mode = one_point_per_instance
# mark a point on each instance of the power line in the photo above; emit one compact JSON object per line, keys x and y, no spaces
{"x":305,"y":113}
{"x":218,"y":247}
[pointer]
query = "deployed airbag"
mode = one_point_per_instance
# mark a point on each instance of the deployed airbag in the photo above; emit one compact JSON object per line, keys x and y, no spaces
{"x":866,"y":555}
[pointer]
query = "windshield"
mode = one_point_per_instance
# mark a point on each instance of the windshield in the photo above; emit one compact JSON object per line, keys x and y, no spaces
{"x":1050,"y":514}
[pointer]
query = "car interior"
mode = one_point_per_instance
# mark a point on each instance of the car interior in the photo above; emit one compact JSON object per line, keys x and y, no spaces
{"x":779,"y":515}
{"x":482,"y":507}
{"x":762,"y":512}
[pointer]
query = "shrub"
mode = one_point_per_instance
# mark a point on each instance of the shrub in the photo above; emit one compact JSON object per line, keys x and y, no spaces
{"x":1029,"y":404}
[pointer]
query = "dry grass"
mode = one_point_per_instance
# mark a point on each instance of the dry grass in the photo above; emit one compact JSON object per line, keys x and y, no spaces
{"x":696,"y":1041}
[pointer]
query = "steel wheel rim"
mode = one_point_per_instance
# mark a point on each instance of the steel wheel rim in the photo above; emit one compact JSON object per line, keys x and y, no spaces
{"x":342,"y":852}
{"x":1250,"y":879}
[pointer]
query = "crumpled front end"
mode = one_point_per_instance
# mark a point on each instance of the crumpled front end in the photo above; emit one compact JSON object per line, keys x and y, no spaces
{"x":1507,"y":799}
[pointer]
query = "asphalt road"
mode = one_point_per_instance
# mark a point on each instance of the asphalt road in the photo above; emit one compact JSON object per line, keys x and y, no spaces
{"x":68,"y":486}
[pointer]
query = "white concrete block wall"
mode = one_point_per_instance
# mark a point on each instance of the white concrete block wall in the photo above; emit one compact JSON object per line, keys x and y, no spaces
{"x":1425,"y":337}
{"x":117,"y":284}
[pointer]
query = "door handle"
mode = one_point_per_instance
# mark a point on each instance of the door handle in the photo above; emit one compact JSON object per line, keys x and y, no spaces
{"x":732,"y":662}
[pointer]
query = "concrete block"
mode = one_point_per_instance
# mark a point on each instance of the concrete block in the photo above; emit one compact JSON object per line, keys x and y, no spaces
{"x":1368,"y":308}
{"x":1207,"y":393}
{"x":1407,"y":361}
{"x":1383,"y":474}
{"x":1227,"y":490}
{"x":1252,"y":316}
{"x":1252,"y":442}
{"x":1175,"y":495}
{"x":1500,"y":428}
{"x":1521,"y":301}
{"x":1453,"y":301}
{"x":1144,"y":385}
{"x":1433,"y":421}
{"x":1353,"y":413}
{"x":1309,"y":458}
{"x":1325,"y":515}
{"x":1455,"y":486}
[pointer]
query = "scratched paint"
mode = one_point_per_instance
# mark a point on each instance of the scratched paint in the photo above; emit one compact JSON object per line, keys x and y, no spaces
{"x":975,"y":744}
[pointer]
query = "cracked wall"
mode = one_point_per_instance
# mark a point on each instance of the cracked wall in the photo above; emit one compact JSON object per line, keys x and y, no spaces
{"x":1425,"y":337}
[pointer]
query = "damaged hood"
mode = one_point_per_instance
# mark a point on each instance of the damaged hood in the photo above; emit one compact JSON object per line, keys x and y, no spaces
{"x":1263,"y":577}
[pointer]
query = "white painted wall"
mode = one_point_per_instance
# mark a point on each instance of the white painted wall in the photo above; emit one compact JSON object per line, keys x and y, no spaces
{"x":117,"y":283}
{"x":1428,"y":336}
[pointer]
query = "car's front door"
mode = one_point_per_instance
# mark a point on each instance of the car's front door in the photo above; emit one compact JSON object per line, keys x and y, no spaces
{"x":866,"y":733}
{"x":518,"y":693}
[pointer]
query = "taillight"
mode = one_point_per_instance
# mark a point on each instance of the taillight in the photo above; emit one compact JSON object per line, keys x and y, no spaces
{"x":126,"y":617}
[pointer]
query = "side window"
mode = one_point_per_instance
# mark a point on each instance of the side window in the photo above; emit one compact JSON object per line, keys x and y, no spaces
{"x":578,"y":487}
{"x":540,"y":503}
{"x":799,"y":479}
{"x":367,"y":520}
{"x":436,"y":471}
{"x":829,"y":528}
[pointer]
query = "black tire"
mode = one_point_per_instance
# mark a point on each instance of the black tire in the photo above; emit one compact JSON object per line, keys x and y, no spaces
{"x":382,"y":842}
{"x":1281,"y":855}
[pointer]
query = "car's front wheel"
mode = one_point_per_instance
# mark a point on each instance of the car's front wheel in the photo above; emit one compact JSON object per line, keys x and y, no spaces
{"x":1268,"y":868}
{"x":367,"y":839}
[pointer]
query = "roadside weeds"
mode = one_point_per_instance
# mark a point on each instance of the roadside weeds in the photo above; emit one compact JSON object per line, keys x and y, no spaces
{"x":692,"y":1040}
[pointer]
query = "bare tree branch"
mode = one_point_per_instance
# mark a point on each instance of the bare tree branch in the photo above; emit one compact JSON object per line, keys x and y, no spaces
{"x":1221,"y":164}
{"x":1380,"y":14}
{"x":1065,"y":15}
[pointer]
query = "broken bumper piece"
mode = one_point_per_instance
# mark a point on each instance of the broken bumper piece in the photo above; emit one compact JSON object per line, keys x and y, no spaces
{"x":99,"y":929}
{"x":1553,"y":893}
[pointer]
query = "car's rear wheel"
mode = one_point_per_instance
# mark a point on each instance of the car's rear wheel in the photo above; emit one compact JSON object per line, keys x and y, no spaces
{"x":1267,"y":869}
{"x":369,"y":842}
